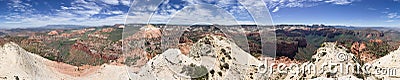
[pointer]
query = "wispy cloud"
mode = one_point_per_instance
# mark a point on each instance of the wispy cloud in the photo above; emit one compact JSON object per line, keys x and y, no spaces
{"x":20,"y":6}
{"x":372,"y":9}
{"x":112,"y":2}
{"x":389,"y":21}
{"x":276,"y":9}
{"x":393,"y":15}
{"x":175,"y":13}
{"x":276,"y":4}
{"x":340,"y":2}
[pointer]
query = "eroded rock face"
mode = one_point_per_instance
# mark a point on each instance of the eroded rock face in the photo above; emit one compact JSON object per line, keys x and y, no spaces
{"x":228,"y":61}
{"x":331,"y":55}
{"x":333,"y":61}
{"x":141,"y":46}
{"x":288,"y":49}
{"x":212,"y":57}
{"x":357,"y":47}
{"x":151,"y":32}
{"x":185,"y":45}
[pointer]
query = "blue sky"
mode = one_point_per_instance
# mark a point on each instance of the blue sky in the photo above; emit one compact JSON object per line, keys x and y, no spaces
{"x":35,"y":13}
{"x":365,"y":13}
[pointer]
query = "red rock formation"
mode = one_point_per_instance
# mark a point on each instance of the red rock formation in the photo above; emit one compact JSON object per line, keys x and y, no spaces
{"x":357,"y":48}
{"x":80,"y":46}
{"x":287,"y":49}
{"x":185,"y":48}
{"x":79,"y":32}
{"x":185,"y":45}
{"x":366,"y":57}
{"x":285,"y":60}
{"x":153,"y":33}
{"x":107,"y":30}
{"x":51,"y":33}
{"x":379,"y":41}
{"x":66,"y":35}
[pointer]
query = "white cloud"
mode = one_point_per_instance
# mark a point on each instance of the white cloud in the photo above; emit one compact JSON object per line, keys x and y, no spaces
{"x":112,"y":2}
{"x":276,"y":9}
{"x":117,"y":12}
{"x":12,"y":22}
{"x":393,"y":15}
{"x":273,"y":4}
{"x":90,"y":8}
{"x":64,"y":18}
{"x":71,"y":8}
{"x":389,"y":21}
{"x":83,"y":8}
{"x":372,"y":9}
{"x":188,"y":15}
{"x":20,"y":6}
{"x":340,"y":2}
{"x":81,"y":12}
{"x":114,"y":12}
{"x":202,"y":13}
{"x":126,"y":2}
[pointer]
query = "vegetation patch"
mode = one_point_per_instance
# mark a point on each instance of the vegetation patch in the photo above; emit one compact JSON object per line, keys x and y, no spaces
{"x":195,"y":72}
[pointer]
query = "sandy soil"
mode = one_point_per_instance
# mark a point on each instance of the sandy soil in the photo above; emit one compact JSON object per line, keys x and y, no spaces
{"x":17,"y":63}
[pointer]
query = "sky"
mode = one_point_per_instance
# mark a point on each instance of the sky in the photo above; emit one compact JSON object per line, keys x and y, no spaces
{"x":36,"y":13}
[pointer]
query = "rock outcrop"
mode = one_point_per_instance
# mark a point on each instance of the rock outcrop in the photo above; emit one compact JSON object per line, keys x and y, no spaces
{"x":333,"y":61}
{"x":16,"y":63}
{"x":327,"y":63}
{"x":53,"y":33}
{"x":386,"y":67}
{"x":212,"y":57}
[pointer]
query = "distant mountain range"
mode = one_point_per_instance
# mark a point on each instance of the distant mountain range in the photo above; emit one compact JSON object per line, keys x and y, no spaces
{"x":50,"y":27}
{"x":2,"y":34}
{"x":373,"y":28}
{"x":46,"y":28}
{"x":63,"y":27}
